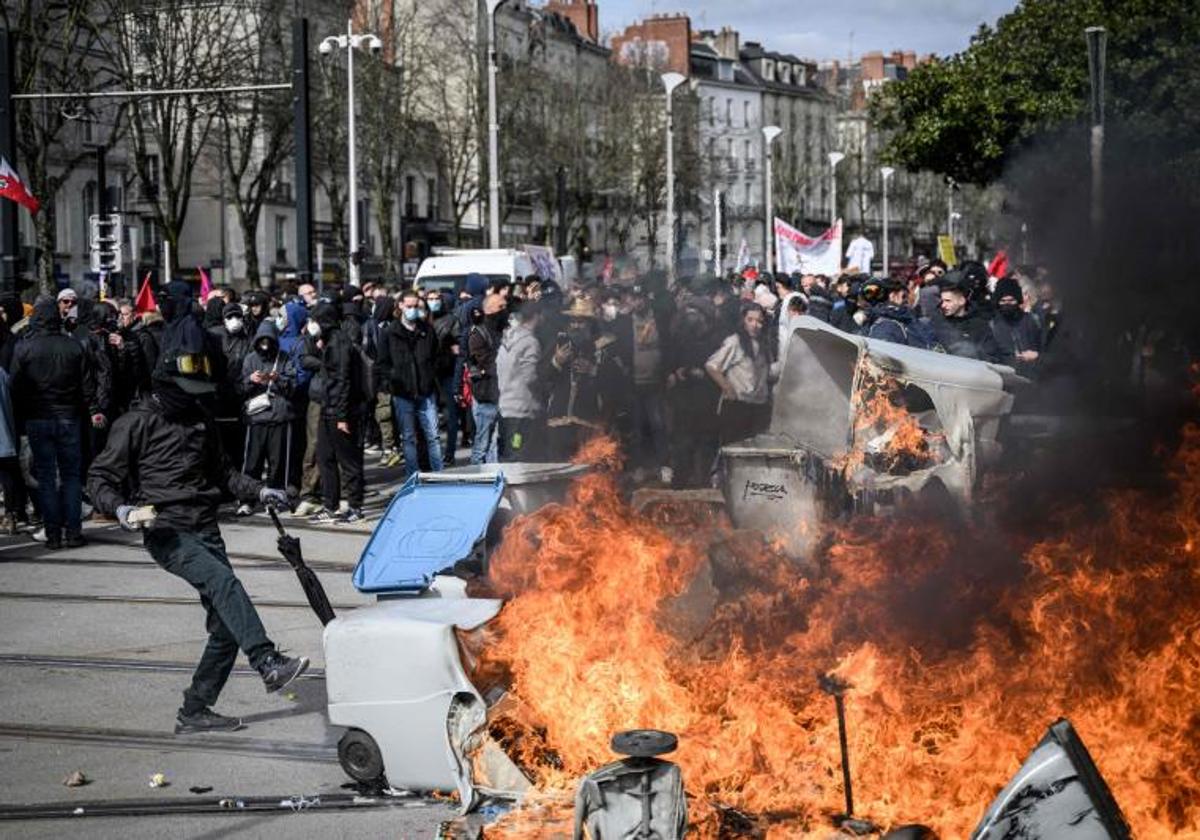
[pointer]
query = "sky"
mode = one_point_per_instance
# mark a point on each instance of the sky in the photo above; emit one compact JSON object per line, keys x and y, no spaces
{"x":819,"y":29}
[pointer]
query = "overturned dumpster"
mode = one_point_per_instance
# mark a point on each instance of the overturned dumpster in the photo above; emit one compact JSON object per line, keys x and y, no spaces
{"x":858,"y":425}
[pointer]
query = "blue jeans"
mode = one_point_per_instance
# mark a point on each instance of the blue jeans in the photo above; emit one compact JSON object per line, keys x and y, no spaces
{"x":57,"y":447}
{"x":485,"y":450}
{"x":410,"y":412}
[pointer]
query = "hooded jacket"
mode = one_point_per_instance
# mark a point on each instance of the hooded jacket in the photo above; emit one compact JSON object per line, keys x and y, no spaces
{"x":281,"y":389}
{"x":339,"y":367}
{"x":52,"y":377}
{"x":969,"y":335}
{"x":291,"y":342}
{"x":899,"y":325}
{"x":233,"y":350}
{"x":519,"y":369}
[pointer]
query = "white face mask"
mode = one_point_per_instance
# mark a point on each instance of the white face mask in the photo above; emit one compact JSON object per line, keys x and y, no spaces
{"x":860,"y":317}
{"x":610,"y":312}
{"x":281,"y":321}
{"x":233,"y":325}
{"x":313,"y":328}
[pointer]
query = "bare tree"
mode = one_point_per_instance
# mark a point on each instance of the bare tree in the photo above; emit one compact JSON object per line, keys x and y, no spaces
{"x":57,"y":49}
{"x":256,"y":132}
{"x":329,"y":145}
{"x":174,"y":45}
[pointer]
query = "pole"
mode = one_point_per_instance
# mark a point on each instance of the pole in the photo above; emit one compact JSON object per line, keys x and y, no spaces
{"x":560,"y":198}
{"x":950,"y":211}
{"x":166,"y":272}
{"x":886,"y":173}
{"x":354,"y":275}
{"x":10,"y":241}
{"x":670,"y":82}
{"x":770,"y":132}
{"x":834,"y":159}
{"x":1097,"y":38}
{"x":717,"y":231}
{"x":303,"y":154}
{"x":493,"y":132}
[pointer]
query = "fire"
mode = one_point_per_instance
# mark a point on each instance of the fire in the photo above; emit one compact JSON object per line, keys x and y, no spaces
{"x":959,"y":646}
{"x":887,"y":437}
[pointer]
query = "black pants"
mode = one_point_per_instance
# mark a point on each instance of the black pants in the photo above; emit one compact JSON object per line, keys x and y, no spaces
{"x":233,"y":623}
{"x":232,"y":433}
{"x":340,"y":459}
{"x":15,"y":492}
{"x":522,"y":438}
{"x":268,"y":442}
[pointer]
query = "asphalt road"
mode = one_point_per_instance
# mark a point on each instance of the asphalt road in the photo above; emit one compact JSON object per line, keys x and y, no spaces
{"x":96,"y":645}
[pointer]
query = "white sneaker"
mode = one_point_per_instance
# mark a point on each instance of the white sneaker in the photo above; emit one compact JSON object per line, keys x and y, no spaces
{"x":39,"y":535}
{"x":244,"y":509}
{"x":666,"y":475}
{"x":343,"y":506}
{"x":306,"y":508}
{"x":371,"y":449}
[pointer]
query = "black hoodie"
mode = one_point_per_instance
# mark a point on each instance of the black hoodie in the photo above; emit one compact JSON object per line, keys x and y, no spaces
{"x":52,"y":378}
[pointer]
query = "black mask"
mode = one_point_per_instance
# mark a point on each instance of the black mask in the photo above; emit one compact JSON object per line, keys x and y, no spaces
{"x":1010,"y":311}
{"x":176,"y":403}
{"x":497,"y":321}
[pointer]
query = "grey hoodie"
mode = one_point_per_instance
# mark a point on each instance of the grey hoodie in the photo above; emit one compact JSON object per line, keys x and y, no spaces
{"x":518,"y":368}
{"x":281,"y":389}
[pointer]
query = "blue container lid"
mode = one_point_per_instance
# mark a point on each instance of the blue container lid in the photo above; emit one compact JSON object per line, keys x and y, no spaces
{"x":431,"y":524}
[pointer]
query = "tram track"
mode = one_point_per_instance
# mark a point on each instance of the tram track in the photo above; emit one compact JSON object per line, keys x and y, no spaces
{"x":96,"y":663}
{"x":150,"y":600}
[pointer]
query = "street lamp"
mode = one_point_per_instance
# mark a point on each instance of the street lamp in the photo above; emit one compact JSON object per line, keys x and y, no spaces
{"x":1097,"y":38}
{"x":834,"y":159}
{"x":954,"y":217}
{"x":493,"y":131}
{"x":670,"y":82}
{"x":350,"y":42}
{"x":770,"y":132}
{"x":886,"y":172}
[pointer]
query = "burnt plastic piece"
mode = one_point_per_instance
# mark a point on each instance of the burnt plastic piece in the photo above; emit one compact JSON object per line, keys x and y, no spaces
{"x":644,"y":743}
{"x":1058,"y":794}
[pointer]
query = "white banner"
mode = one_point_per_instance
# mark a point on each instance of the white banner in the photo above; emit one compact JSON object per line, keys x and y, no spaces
{"x":808,"y":255}
{"x":743,"y":257}
{"x":544,"y":262}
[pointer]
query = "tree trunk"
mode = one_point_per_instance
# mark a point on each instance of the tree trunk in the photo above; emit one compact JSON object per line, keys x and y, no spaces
{"x":44,"y":225}
{"x":248,"y":222}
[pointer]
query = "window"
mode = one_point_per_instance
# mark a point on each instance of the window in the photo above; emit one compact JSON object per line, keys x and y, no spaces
{"x":729,"y":150}
{"x":747,"y":154}
{"x":712,"y":110}
{"x":410,"y":195}
{"x":746,"y":114}
{"x":431,"y":198}
{"x":728,"y":112}
{"x":749,"y":200}
{"x":710,"y":148}
{"x":280,"y":238}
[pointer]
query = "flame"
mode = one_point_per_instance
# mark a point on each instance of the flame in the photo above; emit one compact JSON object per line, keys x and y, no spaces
{"x":959,"y":647}
{"x":887,"y":437}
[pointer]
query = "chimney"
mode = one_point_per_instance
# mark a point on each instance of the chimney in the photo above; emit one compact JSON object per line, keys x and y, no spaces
{"x":872,"y":66}
{"x":584,"y":14}
{"x":728,"y":43}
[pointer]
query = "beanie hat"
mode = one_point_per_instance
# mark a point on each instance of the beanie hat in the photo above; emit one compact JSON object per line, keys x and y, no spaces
{"x":1008,"y":287}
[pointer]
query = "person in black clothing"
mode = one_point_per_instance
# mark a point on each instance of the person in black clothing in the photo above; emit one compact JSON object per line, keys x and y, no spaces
{"x":340,"y":433}
{"x":407,"y":369}
{"x":128,"y":363}
{"x":231,"y":345}
{"x":445,"y":329}
{"x":11,"y":480}
{"x":164,"y":455}
{"x":960,"y":328}
{"x":894,"y":320}
{"x":1017,"y":333}
{"x":691,"y":396}
{"x":483,"y":346}
{"x":52,"y":387}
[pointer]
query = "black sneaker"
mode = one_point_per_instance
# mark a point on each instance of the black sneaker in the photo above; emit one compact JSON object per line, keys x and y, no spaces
{"x":205,"y":720}
{"x":279,"y":671}
{"x":325,"y":517}
{"x":53,"y":543}
{"x":348,"y":516}
{"x":75,"y":541}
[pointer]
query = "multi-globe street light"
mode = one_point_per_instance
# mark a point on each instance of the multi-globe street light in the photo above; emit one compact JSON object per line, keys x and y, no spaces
{"x":886,"y":172}
{"x":670,"y":82}
{"x":350,"y":42}
{"x":493,"y":130}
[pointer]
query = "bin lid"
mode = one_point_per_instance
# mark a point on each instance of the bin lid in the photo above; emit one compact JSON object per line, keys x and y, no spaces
{"x":519,"y":473}
{"x":431,"y":524}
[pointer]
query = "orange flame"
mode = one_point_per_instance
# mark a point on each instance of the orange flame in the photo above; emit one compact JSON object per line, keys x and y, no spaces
{"x":959,"y":650}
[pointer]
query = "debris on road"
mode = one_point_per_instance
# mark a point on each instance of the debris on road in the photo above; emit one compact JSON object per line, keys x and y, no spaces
{"x":159,"y":780}
{"x":200,"y":789}
{"x":76,"y":779}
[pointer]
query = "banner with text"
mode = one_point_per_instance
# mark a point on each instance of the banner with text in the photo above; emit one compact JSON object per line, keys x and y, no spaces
{"x":806,"y":254}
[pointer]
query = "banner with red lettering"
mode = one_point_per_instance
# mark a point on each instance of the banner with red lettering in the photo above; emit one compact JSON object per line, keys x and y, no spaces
{"x":806,"y":254}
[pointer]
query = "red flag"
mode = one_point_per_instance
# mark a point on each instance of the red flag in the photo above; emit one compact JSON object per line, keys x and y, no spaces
{"x":12,"y":187}
{"x":206,"y":286}
{"x":998,"y":267}
{"x":145,"y":298}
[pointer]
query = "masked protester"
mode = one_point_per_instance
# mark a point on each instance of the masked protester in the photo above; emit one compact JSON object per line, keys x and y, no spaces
{"x":1017,"y":333}
{"x":164,"y":454}
{"x":441,"y":318}
{"x":340,"y":433}
{"x":407,"y":370}
{"x":483,"y":347}
{"x":231,"y":345}
{"x":268,"y":378}
{"x":894,"y":320}
{"x":53,"y":387}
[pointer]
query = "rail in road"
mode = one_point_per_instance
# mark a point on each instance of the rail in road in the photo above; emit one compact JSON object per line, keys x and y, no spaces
{"x":96,"y":663}
{"x":147,"y":600}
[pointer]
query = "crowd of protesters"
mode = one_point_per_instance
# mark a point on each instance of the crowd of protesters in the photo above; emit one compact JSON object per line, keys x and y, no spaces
{"x":311,"y":383}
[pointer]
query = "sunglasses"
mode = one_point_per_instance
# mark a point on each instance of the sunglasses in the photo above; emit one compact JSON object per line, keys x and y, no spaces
{"x":192,"y":364}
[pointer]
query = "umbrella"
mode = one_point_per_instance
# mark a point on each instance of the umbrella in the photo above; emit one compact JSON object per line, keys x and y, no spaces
{"x":289,"y":547}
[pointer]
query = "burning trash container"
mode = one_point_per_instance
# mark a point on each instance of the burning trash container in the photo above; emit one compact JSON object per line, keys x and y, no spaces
{"x":394,"y":670}
{"x":857,"y":425}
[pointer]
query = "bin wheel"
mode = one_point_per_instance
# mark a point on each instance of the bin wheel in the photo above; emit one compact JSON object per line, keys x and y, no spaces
{"x":360,"y":757}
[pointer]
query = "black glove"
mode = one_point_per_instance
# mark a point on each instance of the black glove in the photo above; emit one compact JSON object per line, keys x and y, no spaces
{"x":274,"y":498}
{"x":289,"y":547}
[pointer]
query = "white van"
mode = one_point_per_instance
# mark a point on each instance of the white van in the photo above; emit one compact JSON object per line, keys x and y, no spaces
{"x":448,"y":269}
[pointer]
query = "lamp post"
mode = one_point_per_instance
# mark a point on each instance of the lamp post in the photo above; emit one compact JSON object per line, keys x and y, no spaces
{"x":717,"y":231}
{"x":1097,"y":38}
{"x":670,"y":82}
{"x":770,"y":132}
{"x":350,"y":42}
{"x":834,"y":159}
{"x":493,"y":131}
{"x":954,"y":217}
{"x":886,"y":172}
